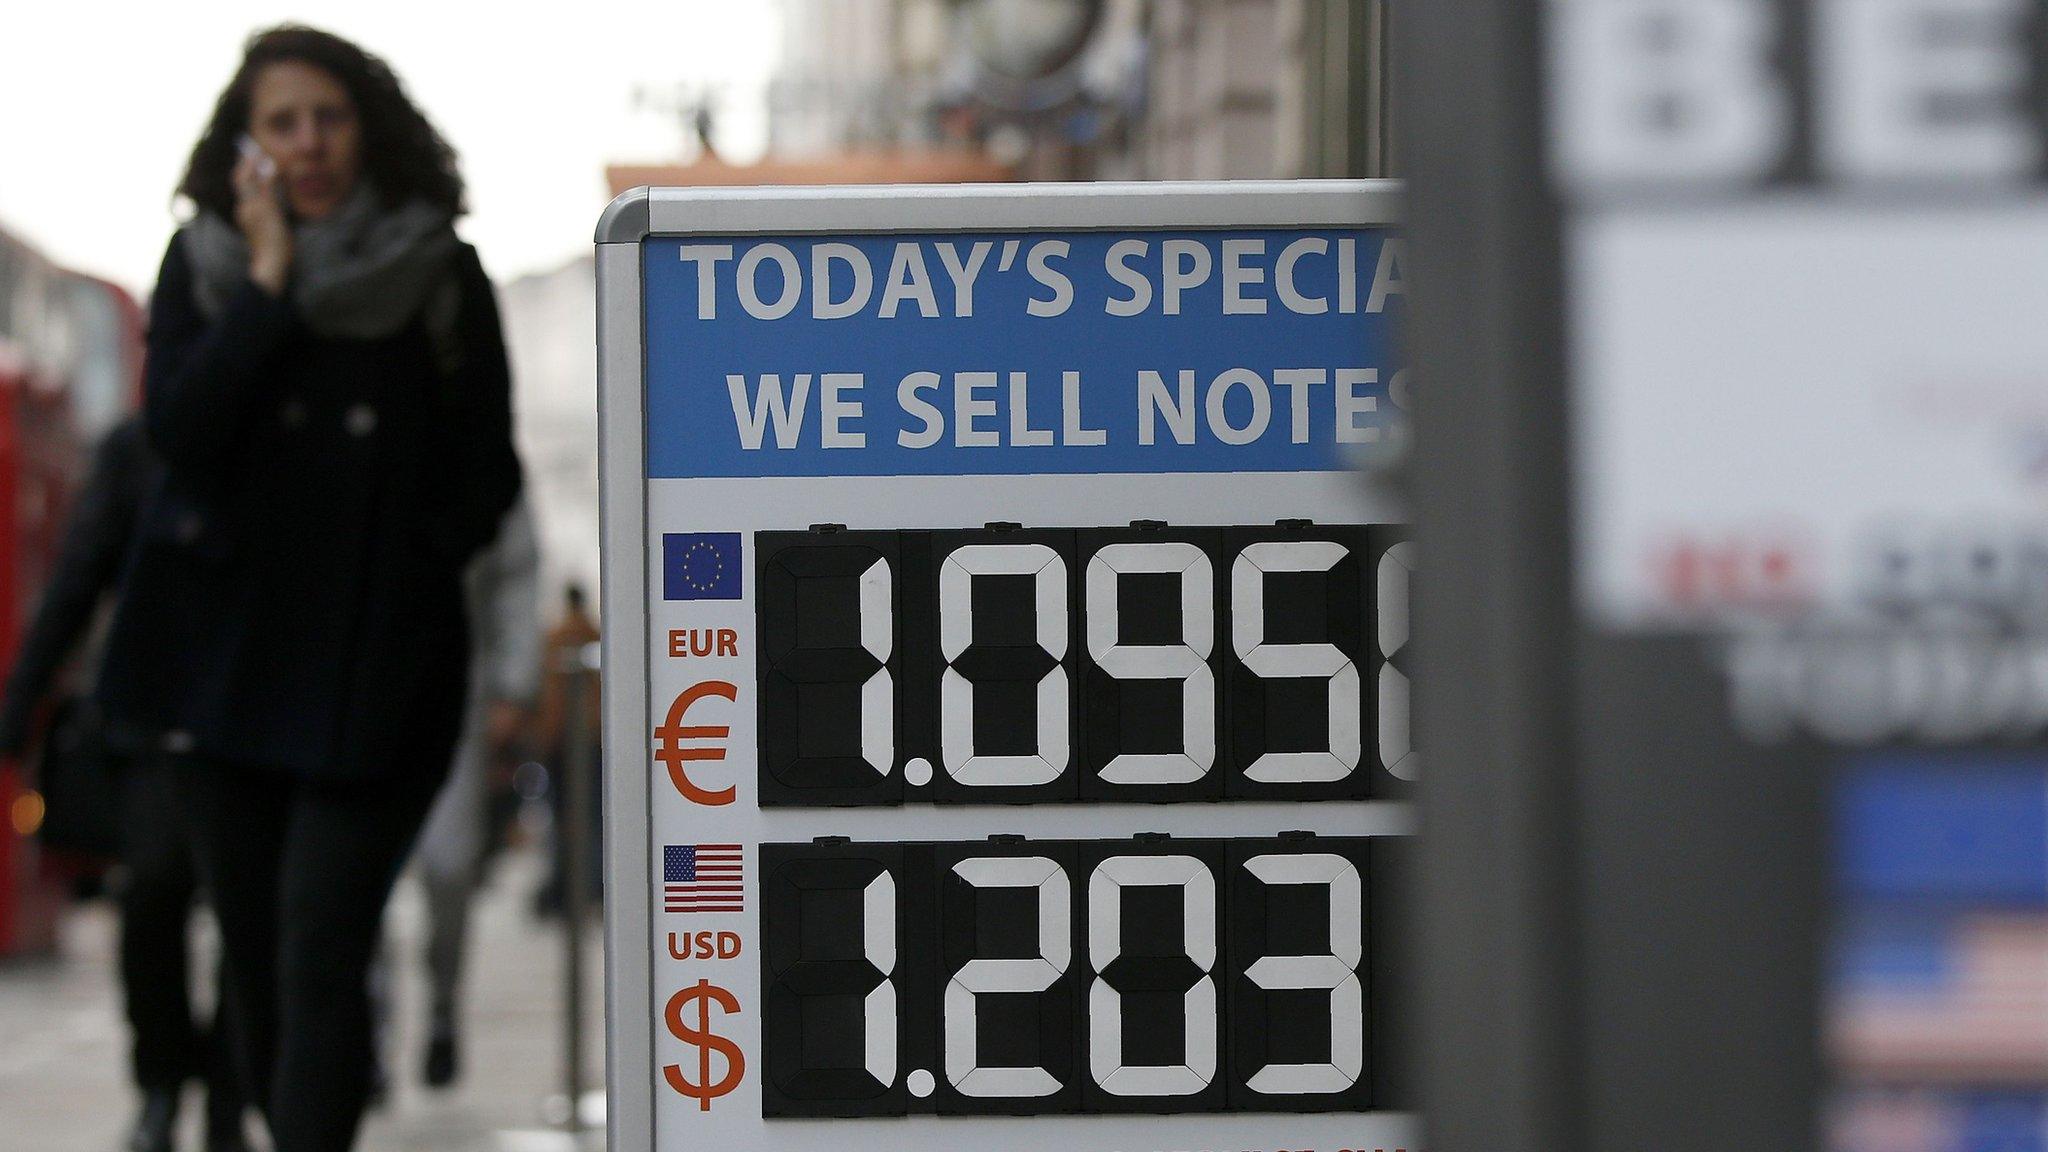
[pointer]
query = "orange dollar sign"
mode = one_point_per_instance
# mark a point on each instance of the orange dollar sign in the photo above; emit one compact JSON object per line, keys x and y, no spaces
{"x":672,"y":733}
{"x":703,"y":1090}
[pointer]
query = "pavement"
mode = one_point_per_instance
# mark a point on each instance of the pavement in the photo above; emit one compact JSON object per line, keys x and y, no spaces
{"x":64,"y":1046}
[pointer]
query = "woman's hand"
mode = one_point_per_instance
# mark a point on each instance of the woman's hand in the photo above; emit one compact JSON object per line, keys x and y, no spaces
{"x":259,"y":212}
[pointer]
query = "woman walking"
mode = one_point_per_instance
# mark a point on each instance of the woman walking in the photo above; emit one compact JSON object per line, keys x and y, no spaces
{"x":326,"y":386}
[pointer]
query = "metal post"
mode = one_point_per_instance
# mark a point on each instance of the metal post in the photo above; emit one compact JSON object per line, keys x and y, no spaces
{"x":579,"y":666}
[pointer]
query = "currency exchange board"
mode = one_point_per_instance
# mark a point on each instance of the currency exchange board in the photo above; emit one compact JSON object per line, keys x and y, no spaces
{"x":1006,"y":676}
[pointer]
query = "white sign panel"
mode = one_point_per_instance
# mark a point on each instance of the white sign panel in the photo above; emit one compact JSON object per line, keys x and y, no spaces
{"x":1016,"y":711}
{"x":1802,"y":251}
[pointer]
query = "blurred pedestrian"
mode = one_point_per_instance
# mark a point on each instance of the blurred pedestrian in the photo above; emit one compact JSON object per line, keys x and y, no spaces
{"x":326,"y":384}
{"x":503,"y":589}
{"x":159,"y":887}
{"x":563,"y":678}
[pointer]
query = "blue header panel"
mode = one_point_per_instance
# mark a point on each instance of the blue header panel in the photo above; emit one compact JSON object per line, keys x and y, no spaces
{"x":1033,"y":352}
{"x":1924,"y":827}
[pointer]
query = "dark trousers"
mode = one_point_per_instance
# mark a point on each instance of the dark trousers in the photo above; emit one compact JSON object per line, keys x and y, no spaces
{"x":156,"y":912}
{"x":300,"y":873}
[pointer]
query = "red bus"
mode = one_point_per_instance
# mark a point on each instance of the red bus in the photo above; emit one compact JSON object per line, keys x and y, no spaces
{"x":70,"y":364}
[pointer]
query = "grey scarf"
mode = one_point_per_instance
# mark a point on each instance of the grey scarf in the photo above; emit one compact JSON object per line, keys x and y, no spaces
{"x":361,"y":273}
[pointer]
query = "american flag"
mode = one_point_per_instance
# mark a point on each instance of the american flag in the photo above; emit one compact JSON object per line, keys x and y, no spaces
{"x":702,"y":878}
{"x":1957,"y":998}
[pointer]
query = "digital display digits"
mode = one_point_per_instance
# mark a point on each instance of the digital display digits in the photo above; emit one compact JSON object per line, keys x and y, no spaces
{"x":1147,"y":663}
{"x":1037,"y":977}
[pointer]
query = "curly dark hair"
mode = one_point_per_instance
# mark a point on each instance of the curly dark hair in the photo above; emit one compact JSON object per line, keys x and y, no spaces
{"x":403,"y":155}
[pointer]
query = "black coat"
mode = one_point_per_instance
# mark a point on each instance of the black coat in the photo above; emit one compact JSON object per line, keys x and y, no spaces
{"x":96,"y":534}
{"x":294,"y":594}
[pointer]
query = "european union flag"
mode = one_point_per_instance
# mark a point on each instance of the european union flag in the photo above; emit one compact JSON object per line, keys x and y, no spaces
{"x":700,"y":566}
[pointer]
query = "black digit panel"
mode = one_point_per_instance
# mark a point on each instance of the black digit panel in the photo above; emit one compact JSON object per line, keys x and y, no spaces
{"x":1150,"y":663}
{"x":1150,"y":975}
{"x":1388,"y":691}
{"x":1009,"y":989}
{"x":1300,"y":606}
{"x":1004,"y":665}
{"x":1151,"y":646}
{"x":831,"y":667}
{"x":1300,"y":1025}
{"x":844,"y":958}
{"x":1150,"y":941}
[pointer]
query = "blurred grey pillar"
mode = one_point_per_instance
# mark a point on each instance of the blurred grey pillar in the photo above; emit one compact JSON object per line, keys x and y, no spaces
{"x":1501,"y":1059}
{"x":579,"y":666}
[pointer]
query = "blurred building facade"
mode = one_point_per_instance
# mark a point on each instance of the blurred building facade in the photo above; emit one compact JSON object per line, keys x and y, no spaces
{"x":1242,"y":89}
{"x":551,"y":336}
{"x":1092,"y":89}
{"x":855,"y":75}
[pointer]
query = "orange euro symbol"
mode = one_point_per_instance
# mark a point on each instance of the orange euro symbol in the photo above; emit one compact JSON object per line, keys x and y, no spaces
{"x":673,"y":732}
{"x":700,"y":1037}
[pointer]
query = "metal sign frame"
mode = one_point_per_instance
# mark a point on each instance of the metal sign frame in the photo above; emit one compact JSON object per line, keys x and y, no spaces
{"x":641,"y":214}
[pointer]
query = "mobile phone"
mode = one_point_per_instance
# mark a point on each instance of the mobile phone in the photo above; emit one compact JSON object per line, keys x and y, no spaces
{"x":264,"y":164}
